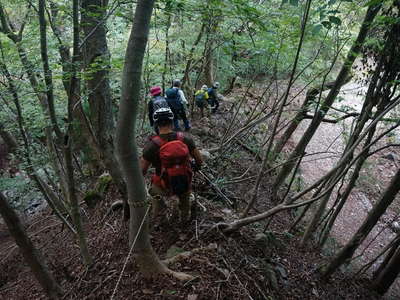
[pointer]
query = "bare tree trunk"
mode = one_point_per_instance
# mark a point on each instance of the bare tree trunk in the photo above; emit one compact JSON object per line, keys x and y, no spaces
{"x":147,"y":260}
{"x":31,"y":255}
{"x":319,"y":115}
{"x":379,"y":209}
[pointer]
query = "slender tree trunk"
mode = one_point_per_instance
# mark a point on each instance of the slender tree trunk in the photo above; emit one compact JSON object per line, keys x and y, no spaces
{"x":139,"y":239}
{"x":31,"y":255}
{"x":319,"y":115}
{"x":378,"y":210}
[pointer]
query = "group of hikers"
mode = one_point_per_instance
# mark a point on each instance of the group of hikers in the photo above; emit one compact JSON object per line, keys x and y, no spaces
{"x":176,"y":101}
{"x":172,"y":153}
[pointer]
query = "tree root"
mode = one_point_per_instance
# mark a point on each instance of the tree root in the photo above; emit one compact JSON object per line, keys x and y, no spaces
{"x":117,"y":205}
{"x":187,"y":254}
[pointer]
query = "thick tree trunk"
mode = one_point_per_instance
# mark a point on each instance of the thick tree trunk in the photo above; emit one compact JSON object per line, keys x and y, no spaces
{"x":146,"y":258}
{"x":31,"y":255}
{"x":378,"y":210}
{"x":319,"y":115}
{"x":96,"y":59}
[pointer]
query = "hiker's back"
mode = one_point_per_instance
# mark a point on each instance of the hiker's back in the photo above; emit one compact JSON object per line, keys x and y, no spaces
{"x":176,"y":174}
{"x":173,"y":98}
{"x":159,"y":102}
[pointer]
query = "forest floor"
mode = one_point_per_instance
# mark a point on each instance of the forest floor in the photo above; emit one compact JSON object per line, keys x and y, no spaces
{"x":261,"y":261}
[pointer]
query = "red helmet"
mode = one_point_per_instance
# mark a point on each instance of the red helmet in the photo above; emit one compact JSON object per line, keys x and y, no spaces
{"x":155,"y":90}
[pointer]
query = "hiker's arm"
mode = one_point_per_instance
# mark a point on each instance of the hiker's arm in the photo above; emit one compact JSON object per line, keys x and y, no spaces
{"x":197,"y":157}
{"x":182,"y":95}
{"x":144,"y":164}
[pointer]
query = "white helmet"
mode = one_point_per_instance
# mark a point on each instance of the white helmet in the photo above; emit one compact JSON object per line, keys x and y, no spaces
{"x":204,"y":88}
{"x":164,"y":113}
{"x":216,"y":84}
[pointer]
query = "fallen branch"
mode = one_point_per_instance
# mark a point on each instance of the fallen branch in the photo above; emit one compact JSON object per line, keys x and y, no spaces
{"x":216,"y":189}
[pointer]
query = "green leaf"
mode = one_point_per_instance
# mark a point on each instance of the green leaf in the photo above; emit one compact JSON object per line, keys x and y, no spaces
{"x":327,"y":24}
{"x":373,"y":2}
{"x":335,"y":20}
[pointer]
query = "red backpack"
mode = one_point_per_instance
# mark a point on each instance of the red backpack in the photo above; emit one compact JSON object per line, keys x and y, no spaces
{"x":176,"y":173}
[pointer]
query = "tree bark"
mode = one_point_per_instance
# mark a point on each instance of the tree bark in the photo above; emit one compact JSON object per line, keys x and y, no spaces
{"x":96,"y":58}
{"x":32,"y":257}
{"x":126,"y":145}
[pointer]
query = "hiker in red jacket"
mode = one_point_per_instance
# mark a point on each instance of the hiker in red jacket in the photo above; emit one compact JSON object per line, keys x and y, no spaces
{"x":170,"y":154}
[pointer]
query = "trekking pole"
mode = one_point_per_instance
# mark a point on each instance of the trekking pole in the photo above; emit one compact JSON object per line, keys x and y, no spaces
{"x":216,"y":188}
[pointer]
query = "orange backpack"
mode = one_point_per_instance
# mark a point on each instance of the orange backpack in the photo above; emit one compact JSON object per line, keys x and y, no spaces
{"x":176,"y":173}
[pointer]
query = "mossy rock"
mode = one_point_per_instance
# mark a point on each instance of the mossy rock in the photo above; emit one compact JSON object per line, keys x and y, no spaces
{"x":103,"y":183}
{"x":173,"y":251}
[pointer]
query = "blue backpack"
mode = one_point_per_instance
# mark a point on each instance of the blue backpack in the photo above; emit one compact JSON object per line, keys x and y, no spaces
{"x":159,"y":102}
{"x":173,"y":99}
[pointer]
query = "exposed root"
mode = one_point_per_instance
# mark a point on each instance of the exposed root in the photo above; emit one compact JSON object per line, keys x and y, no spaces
{"x":117,"y":205}
{"x":187,"y":254}
{"x":150,"y":266}
{"x":179,"y":275}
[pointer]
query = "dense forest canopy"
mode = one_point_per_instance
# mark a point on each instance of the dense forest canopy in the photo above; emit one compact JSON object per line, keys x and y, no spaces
{"x":75,"y":78}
